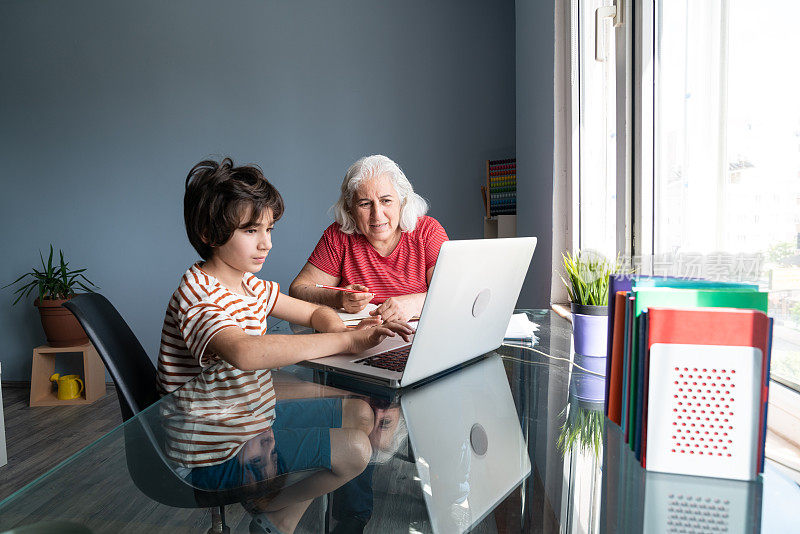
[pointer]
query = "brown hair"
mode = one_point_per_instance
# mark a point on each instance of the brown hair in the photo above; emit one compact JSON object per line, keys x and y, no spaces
{"x":218,"y":196}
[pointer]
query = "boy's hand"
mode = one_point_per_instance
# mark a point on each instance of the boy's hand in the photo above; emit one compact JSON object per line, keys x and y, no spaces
{"x":355,"y":302}
{"x":369,"y":322}
{"x":367,"y":337}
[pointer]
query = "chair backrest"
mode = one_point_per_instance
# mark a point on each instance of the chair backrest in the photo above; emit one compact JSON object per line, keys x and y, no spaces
{"x":135,"y":378}
{"x":127,"y":362}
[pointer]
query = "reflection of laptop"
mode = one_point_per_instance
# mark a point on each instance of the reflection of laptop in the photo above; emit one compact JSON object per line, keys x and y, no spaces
{"x":680,"y":503}
{"x":467,"y":444}
{"x":470,"y":300}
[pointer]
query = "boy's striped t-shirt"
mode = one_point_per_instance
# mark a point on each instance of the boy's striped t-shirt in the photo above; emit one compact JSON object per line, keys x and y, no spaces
{"x":208,"y":420}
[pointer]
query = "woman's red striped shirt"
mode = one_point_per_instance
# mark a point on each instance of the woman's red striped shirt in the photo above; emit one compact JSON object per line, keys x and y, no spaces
{"x":352,"y":259}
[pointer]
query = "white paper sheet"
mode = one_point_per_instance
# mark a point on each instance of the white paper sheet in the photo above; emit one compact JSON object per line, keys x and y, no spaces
{"x":355,"y":318}
{"x":520,"y":327}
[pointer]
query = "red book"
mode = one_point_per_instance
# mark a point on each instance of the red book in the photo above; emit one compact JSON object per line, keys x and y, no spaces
{"x":615,"y":374}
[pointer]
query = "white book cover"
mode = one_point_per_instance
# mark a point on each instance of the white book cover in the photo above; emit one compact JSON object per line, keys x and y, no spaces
{"x":703,"y":410}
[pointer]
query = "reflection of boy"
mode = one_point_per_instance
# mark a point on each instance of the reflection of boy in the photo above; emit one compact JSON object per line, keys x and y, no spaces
{"x":224,"y":423}
{"x":353,"y":502}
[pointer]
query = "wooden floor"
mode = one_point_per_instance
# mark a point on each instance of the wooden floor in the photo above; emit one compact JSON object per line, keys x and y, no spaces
{"x":38,"y":439}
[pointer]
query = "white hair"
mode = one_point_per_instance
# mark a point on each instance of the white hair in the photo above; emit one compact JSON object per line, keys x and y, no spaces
{"x":412,"y":206}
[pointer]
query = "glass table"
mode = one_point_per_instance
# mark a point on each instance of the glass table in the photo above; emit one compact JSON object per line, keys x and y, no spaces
{"x":554,"y":463}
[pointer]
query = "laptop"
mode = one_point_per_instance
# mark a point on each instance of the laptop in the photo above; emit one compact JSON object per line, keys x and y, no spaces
{"x":467,"y":444}
{"x":471,"y":297}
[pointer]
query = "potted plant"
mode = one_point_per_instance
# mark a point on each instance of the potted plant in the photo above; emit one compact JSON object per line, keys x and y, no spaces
{"x":587,"y":285}
{"x":55,"y":284}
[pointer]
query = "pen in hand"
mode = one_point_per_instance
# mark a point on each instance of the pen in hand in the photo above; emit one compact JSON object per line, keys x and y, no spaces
{"x":342,"y":289}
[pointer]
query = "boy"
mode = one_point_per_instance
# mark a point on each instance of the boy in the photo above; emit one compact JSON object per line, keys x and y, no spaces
{"x":226,"y":425}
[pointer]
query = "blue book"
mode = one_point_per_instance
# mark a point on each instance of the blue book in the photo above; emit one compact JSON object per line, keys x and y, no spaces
{"x":641,"y":352}
{"x":616,"y":282}
{"x":766,"y":404}
{"x":626,"y":361}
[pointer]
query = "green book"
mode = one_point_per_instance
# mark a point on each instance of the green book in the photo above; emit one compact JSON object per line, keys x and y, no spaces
{"x":742,"y":296}
{"x":689,"y":283}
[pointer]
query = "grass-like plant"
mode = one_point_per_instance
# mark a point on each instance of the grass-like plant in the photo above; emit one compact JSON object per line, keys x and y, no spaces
{"x":587,"y":275}
{"x":53,"y":281}
{"x":583,"y":428}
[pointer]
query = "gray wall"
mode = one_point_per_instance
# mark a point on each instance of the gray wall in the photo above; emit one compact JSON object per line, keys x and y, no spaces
{"x":535,"y":53}
{"x":105,"y":105}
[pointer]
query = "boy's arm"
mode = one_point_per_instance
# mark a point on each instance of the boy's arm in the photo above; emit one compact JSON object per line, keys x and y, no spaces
{"x":248,"y":353}
{"x":320,"y":318}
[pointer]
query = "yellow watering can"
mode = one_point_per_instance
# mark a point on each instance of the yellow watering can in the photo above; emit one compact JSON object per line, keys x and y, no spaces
{"x":69,"y":386}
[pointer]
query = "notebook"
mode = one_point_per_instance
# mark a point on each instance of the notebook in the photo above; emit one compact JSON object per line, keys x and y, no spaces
{"x":624,"y":283}
{"x":723,"y":296}
{"x":614,"y":369}
{"x":704,"y":410}
{"x":711,"y":326}
{"x":472,"y":295}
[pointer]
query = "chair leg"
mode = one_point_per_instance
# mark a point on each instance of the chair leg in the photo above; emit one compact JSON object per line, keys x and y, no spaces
{"x":328,"y":512}
{"x":218,"y":525}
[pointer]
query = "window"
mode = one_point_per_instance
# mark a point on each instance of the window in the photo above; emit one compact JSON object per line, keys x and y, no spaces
{"x":712,"y":162}
{"x":597,"y":182}
{"x":727,"y":127}
{"x":707,"y":157}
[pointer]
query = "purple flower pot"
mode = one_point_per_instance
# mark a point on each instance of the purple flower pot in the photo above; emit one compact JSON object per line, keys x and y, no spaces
{"x":590,"y":329}
{"x":590,"y":339}
{"x":585,"y":386}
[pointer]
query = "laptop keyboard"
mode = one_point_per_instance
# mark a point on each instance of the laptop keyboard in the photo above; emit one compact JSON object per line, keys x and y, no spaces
{"x":393,"y":360}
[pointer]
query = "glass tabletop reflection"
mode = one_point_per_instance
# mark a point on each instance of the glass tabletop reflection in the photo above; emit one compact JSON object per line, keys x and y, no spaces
{"x":515,"y":442}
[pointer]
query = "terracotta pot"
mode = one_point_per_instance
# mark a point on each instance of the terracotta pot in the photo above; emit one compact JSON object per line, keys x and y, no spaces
{"x":60,"y":326}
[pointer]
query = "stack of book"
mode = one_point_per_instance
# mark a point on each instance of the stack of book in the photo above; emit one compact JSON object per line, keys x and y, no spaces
{"x":501,"y":187}
{"x":688,"y":374}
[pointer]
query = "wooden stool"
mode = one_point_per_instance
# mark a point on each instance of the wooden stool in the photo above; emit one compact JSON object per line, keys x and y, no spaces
{"x":44,"y":365}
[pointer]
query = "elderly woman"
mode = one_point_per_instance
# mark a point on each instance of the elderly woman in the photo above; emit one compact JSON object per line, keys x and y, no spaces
{"x":381,"y":245}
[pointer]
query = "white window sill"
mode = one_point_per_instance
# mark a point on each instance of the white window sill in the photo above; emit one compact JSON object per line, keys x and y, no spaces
{"x":783,"y":427}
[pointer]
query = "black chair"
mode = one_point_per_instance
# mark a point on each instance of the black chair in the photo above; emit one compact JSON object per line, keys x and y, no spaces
{"x":134,"y":376}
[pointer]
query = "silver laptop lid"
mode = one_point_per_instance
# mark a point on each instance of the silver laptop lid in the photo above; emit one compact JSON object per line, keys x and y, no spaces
{"x":467,"y":443}
{"x":470,"y":300}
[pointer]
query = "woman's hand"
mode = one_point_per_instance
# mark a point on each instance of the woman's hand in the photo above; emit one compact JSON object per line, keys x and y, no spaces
{"x":367,"y":337}
{"x":355,"y":302}
{"x":400,"y":308}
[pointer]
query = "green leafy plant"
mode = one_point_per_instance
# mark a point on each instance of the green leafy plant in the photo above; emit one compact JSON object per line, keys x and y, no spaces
{"x":587,"y":275}
{"x":52,"y":281}
{"x":583,"y":428}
